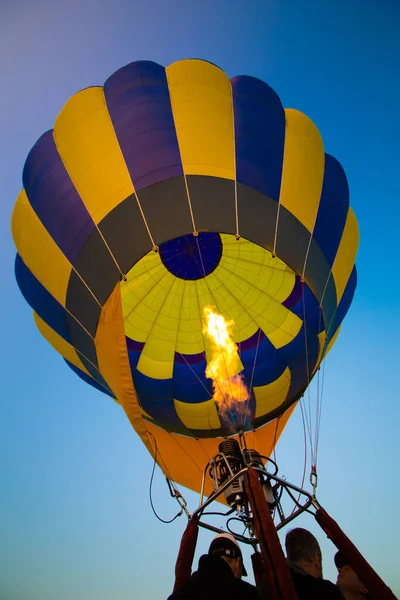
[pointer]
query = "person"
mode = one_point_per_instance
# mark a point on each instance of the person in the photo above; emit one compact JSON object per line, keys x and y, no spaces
{"x":348,"y":581}
{"x":219,"y":575}
{"x":305,"y":565}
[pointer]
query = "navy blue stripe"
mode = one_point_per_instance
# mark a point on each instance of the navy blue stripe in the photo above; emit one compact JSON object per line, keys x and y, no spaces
{"x":54,"y":198}
{"x":333,"y":208}
{"x":42,"y":302}
{"x":301,"y":367}
{"x":156,"y":398}
{"x":295,"y":294}
{"x":259,"y":135}
{"x":139,"y":104}
{"x":268,"y":371}
{"x":89,"y":380}
{"x":344,"y":303}
{"x":309,"y":305}
{"x":190,"y":383}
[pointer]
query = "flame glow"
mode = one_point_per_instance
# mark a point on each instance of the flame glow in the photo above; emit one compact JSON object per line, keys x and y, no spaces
{"x":230,"y":392}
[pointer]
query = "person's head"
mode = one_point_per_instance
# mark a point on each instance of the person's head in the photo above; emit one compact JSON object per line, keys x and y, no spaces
{"x":347,"y":579}
{"x":302,"y":549}
{"x":225,"y":546}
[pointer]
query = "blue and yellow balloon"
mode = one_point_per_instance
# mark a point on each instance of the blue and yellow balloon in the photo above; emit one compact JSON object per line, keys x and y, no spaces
{"x":165,"y":191}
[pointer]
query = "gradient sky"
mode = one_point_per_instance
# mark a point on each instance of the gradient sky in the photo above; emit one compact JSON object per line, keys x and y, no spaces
{"x":75,"y":516}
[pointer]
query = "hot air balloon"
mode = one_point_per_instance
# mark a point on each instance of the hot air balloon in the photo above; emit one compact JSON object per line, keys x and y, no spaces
{"x":163,"y":192}
{"x":188,"y":247}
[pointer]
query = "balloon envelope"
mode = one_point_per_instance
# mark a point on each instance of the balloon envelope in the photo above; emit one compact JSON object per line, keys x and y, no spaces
{"x":165,"y":191}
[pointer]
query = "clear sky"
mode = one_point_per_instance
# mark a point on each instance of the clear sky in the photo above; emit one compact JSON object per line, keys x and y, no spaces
{"x":75,"y":517}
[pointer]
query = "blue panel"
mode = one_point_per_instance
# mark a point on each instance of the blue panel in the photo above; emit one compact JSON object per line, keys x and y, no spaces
{"x":268,"y":371}
{"x":156,"y":398}
{"x":54,"y":198}
{"x":310,"y":305}
{"x":190,"y":383}
{"x":344,"y":303}
{"x":333,"y":208}
{"x":139,"y":104}
{"x":133,"y":359}
{"x":191,"y":257}
{"x":89,"y":380}
{"x":259,"y":354}
{"x":259,"y":135}
{"x":40,"y":300}
{"x":295,"y":294}
{"x":294,"y":354}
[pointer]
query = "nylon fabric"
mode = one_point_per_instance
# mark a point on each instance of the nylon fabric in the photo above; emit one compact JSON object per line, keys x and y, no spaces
{"x":113,"y":361}
{"x":89,"y":149}
{"x":346,"y":254}
{"x":33,"y":242}
{"x":198,"y":416}
{"x":59,"y":344}
{"x":125,"y":232}
{"x":303,"y":168}
{"x":201,"y":100}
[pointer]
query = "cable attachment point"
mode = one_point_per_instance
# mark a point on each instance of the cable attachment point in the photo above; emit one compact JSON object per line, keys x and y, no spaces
{"x":182,"y":503}
{"x":314,"y":480}
{"x":196,"y":233}
{"x":237,"y":236}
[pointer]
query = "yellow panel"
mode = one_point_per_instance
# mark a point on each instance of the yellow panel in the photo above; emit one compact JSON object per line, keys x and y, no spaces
{"x":161,"y":342}
{"x":112,"y":355}
{"x":38,"y":250}
{"x":203,"y":415}
{"x":333,"y":340}
{"x":286,"y":332}
{"x":321,"y":340}
{"x":201,"y":99}
{"x":271,"y":396}
{"x":190,"y":338}
{"x":303,"y":168}
{"x":59,"y":344}
{"x":85,"y":138}
{"x":155,"y":368}
{"x":346,"y":254}
{"x":140,"y":320}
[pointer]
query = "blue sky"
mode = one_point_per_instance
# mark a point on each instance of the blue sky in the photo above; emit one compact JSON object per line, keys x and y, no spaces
{"x":75,"y":519}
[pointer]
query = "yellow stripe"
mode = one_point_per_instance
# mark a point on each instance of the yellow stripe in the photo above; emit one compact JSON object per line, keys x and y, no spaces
{"x":38,"y":250}
{"x":157,"y":357}
{"x":112,"y":355}
{"x":321,"y":341}
{"x":286,"y":332}
{"x":201,"y":99}
{"x":333,"y":340}
{"x":303,"y":168}
{"x":198,"y":416}
{"x":190,"y":339}
{"x":59,"y":344}
{"x":85,"y":138}
{"x":346,"y":254}
{"x":271,"y":396}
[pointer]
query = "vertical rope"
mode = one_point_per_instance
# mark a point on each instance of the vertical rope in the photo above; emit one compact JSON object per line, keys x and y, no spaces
{"x":145,"y":222}
{"x":190,"y":205}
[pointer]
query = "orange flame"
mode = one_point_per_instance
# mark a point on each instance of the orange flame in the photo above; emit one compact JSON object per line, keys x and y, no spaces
{"x":230,"y":391}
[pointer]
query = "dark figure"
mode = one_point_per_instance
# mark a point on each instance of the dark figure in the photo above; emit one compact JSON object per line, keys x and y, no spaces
{"x":305,"y":564}
{"x":348,"y":581}
{"x":219,"y":574}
